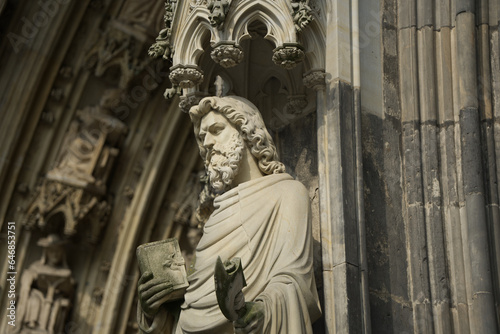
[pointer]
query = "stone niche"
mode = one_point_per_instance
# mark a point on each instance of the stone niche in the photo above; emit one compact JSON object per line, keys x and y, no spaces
{"x":270,"y":68}
{"x":74,"y":192}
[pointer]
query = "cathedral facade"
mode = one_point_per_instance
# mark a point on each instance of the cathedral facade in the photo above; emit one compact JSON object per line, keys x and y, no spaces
{"x":385,"y":110}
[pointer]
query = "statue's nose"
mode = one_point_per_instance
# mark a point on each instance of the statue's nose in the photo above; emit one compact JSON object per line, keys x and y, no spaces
{"x":209,"y":141}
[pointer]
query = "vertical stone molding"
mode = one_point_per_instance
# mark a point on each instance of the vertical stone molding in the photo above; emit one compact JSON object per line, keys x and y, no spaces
{"x":447,"y":168}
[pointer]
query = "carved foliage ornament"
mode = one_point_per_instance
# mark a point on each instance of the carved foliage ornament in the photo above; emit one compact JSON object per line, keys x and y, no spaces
{"x":315,"y":79}
{"x":295,"y":104}
{"x":185,"y":76}
{"x":188,"y":101}
{"x":196,"y":3}
{"x":162,"y":46}
{"x":227,"y":55}
{"x":288,"y":55}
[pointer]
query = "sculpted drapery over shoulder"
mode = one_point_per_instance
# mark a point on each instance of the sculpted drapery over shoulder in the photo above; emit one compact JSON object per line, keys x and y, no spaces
{"x":261,"y":215}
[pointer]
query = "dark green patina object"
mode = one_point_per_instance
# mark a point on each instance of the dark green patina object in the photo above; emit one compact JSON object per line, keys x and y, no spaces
{"x":229,"y":283}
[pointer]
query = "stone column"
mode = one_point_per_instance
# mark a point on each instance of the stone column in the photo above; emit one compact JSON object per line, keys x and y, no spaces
{"x":339,"y":175}
{"x":480,"y":295}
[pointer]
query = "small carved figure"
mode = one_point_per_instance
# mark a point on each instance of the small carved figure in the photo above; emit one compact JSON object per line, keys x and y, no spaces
{"x":301,"y":14}
{"x":218,"y":11}
{"x":162,"y":47}
{"x":85,"y":142}
{"x":46,"y":290}
{"x":77,"y":159}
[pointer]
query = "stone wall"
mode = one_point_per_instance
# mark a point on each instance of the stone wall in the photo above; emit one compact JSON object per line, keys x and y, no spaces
{"x":430,"y":170}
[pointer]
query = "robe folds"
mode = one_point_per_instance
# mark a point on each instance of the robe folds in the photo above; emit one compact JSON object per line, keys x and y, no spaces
{"x":266,"y":223}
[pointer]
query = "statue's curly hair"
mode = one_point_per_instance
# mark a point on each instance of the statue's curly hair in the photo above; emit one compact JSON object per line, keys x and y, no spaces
{"x":245,"y":116}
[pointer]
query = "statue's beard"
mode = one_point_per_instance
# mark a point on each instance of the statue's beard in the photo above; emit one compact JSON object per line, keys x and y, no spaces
{"x":223,"y":163}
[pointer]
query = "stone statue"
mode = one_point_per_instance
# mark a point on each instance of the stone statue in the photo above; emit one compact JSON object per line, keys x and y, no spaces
{"x":46,"y":291}
{"x":261,"y":218}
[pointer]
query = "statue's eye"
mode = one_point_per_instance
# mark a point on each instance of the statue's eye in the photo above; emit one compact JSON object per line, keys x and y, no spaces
{"x":217,"y":129}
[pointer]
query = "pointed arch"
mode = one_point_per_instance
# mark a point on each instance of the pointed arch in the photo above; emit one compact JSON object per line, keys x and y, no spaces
{"x":190,"y":39}
{"x":279,"y":22}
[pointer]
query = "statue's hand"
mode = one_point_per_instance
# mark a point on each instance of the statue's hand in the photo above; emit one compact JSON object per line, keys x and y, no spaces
{"x":152,"y":293}
{"x":252,"y":321}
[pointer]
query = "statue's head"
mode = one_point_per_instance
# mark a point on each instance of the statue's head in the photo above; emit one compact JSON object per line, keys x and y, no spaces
{"x":225,"y":127}
{"x":53,"y":253}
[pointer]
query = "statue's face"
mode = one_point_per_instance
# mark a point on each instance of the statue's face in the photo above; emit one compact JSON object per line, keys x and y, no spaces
{"x":215,"y":129}
{"x":224,"y":150}
{"x":54,"y":255}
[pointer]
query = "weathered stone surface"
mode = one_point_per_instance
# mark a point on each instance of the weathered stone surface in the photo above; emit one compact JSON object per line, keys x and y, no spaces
{"x":407,"y":13}
{"x":391,"y":309}
{"x":425,"y":13}
{"x":462,"y":6}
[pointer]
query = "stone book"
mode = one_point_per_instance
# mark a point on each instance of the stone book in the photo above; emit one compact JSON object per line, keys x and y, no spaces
{"x":164,"y":259}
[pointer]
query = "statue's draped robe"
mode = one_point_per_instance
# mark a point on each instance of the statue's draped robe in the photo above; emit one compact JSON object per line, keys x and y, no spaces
{"x":266,"y":223}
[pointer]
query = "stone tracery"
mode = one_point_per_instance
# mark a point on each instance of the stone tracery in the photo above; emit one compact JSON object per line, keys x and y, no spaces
{"x":228,"y":36}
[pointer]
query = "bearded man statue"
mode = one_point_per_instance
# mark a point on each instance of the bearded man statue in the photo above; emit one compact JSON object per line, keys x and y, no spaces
{"x":261,"y":215}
